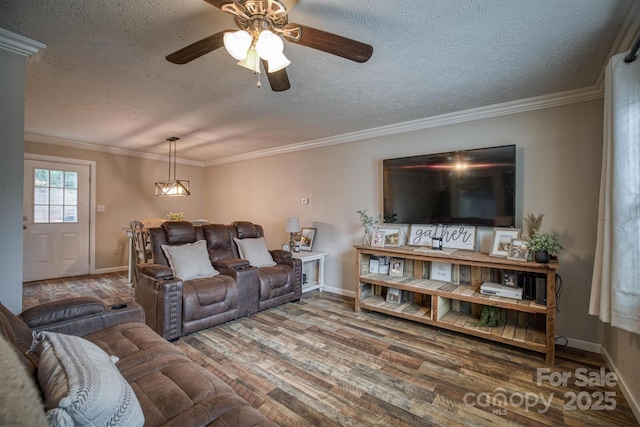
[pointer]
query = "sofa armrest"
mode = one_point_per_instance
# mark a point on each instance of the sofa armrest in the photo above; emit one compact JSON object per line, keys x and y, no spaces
{"x":231,"y":263}
{"x":161,"y":299}
{"x":156,"y":271}
{"x":80,"y":316}
{"x":279,"y":255}
{"x":248,"y":282}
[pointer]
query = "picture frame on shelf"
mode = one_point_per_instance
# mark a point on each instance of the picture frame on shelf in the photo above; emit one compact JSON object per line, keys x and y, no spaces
{"x":510,"y":279}
{"x":384,"y":265}
{"x":518,"y":250}
{"x":502,"y":240}
{"x":441,"y":271}
{"x":396,"y":267}
{"x":392,"y":234}
{"x":394,"y":295}
{"x":374,"y":265}
{"x":307,"y":237}
{"x":378,"y":238}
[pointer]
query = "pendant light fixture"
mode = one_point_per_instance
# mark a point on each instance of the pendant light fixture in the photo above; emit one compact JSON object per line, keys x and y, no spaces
{"x":172,"y":187}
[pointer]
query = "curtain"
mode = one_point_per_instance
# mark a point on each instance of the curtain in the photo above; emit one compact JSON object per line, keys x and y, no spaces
{"x":615,"y":285}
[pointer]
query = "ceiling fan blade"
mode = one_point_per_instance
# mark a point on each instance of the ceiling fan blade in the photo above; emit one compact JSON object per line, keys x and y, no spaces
{"x":197,"y":49}
{"x":329,"y":42}
{"x":278,"y":80}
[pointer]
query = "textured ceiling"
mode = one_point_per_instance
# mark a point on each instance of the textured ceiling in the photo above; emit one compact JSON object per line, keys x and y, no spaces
{"x":104,"y":80}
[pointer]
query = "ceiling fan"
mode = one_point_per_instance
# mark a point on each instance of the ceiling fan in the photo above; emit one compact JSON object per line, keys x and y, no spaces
{"x":261,"y":22}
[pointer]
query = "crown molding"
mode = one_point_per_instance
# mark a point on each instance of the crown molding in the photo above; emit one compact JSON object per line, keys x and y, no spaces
{"x":21,"y":45}
{"x":506,"y":108}
{"x":29,"y":137}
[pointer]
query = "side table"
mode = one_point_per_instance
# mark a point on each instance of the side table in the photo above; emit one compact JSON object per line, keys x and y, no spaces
{"x":313,"y":267}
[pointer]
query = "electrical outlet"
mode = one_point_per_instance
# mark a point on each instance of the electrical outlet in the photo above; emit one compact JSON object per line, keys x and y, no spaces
{"x":101,"y":208}
{"x":304,"y":201}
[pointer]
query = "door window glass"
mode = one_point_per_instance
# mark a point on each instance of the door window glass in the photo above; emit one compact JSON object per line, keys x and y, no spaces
{"x":55,"y":196}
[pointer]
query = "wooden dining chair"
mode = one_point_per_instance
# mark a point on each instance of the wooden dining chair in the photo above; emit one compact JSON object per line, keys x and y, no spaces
{"x":141,"y":244}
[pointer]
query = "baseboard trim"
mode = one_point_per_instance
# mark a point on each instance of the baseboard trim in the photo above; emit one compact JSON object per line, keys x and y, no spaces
{"x":634,"y":404}
{"x":110,"y":270}
{"x":581,"y":345}
{"x":339,"y":291}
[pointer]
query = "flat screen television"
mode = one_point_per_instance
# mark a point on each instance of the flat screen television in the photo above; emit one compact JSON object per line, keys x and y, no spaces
{"x":469,"y":187}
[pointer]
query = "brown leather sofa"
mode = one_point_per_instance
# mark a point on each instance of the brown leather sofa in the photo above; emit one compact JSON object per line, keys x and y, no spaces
{"x":176,"y":307}
{"x":172,"y":390}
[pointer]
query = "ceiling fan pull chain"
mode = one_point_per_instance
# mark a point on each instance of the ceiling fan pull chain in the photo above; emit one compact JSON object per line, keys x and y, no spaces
{"x":259,"y":84}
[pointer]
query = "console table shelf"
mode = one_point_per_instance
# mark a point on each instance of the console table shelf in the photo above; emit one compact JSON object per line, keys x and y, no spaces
{"x":524,"y":324}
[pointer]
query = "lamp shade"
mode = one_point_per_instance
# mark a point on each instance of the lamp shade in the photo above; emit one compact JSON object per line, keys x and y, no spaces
{"x":277,"y":63}
{"x":292,"y":225}
{"x":269,"y":46}
{"x":237,"y":44}
{"x":252,"y":61}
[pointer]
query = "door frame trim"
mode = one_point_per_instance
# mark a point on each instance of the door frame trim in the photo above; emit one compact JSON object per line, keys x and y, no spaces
{"x":92,"y":197}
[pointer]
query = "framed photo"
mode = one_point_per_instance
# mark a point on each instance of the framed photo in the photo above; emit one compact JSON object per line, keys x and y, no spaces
{"x":394,"y":295}
{"x":378,"y":238}
{"x":384,"y":265}
{"x":396,"y":267}
{"x":441,"y":271}
{"x":510,"y":279}
{"x":307,"y":237}
{"x":391,"y":234}
{"x":374,"y":265}
{"x":518,"y":250}
{"x":502,"y":240}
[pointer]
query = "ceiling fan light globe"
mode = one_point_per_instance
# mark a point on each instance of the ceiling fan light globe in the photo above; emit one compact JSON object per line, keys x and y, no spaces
{"x":277,"y":63}
{"x":251,"y":62}
{"x":269,"y":45}
{"x":237,"y":44}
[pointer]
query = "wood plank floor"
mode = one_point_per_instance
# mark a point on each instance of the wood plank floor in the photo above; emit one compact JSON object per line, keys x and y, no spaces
{"x":317,"y":363}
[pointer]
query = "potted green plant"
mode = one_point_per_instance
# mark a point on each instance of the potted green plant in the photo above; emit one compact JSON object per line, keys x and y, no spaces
{"x":544,"y":245}
{"x":489,"y":317}
{"x":368,"y":222}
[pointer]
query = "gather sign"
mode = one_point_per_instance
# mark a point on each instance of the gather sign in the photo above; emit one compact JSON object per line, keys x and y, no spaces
{"x":453,"y":236}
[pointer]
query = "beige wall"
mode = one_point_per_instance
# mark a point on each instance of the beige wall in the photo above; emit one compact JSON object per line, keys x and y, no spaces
{"x":124,"y":185}
{"x":559,"y":152}
{"x":622,"y":349}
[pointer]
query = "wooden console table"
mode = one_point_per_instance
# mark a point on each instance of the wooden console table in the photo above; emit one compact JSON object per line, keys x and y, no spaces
{"x":527,"y":324}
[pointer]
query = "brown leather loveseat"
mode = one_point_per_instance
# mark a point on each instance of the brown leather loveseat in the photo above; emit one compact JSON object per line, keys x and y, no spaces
{"x":170,"y":389}
{"x":178,"y":300}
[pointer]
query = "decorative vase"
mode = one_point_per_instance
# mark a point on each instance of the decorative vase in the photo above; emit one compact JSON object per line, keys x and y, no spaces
{"x":367,"y":238}
{"x":542,"y":257}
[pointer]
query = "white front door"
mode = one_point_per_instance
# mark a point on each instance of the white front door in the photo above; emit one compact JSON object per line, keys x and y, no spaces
{"x":56,"y":220}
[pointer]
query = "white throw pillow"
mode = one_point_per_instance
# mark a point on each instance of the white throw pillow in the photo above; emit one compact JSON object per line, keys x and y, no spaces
{"x":81,"y":384}
{"x":255,"y":251}
{"x":190,"y":261}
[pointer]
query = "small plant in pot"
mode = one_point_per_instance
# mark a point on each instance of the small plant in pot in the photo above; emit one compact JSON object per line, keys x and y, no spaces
{"x":368,"y":223}
{"x":544,"y":245}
